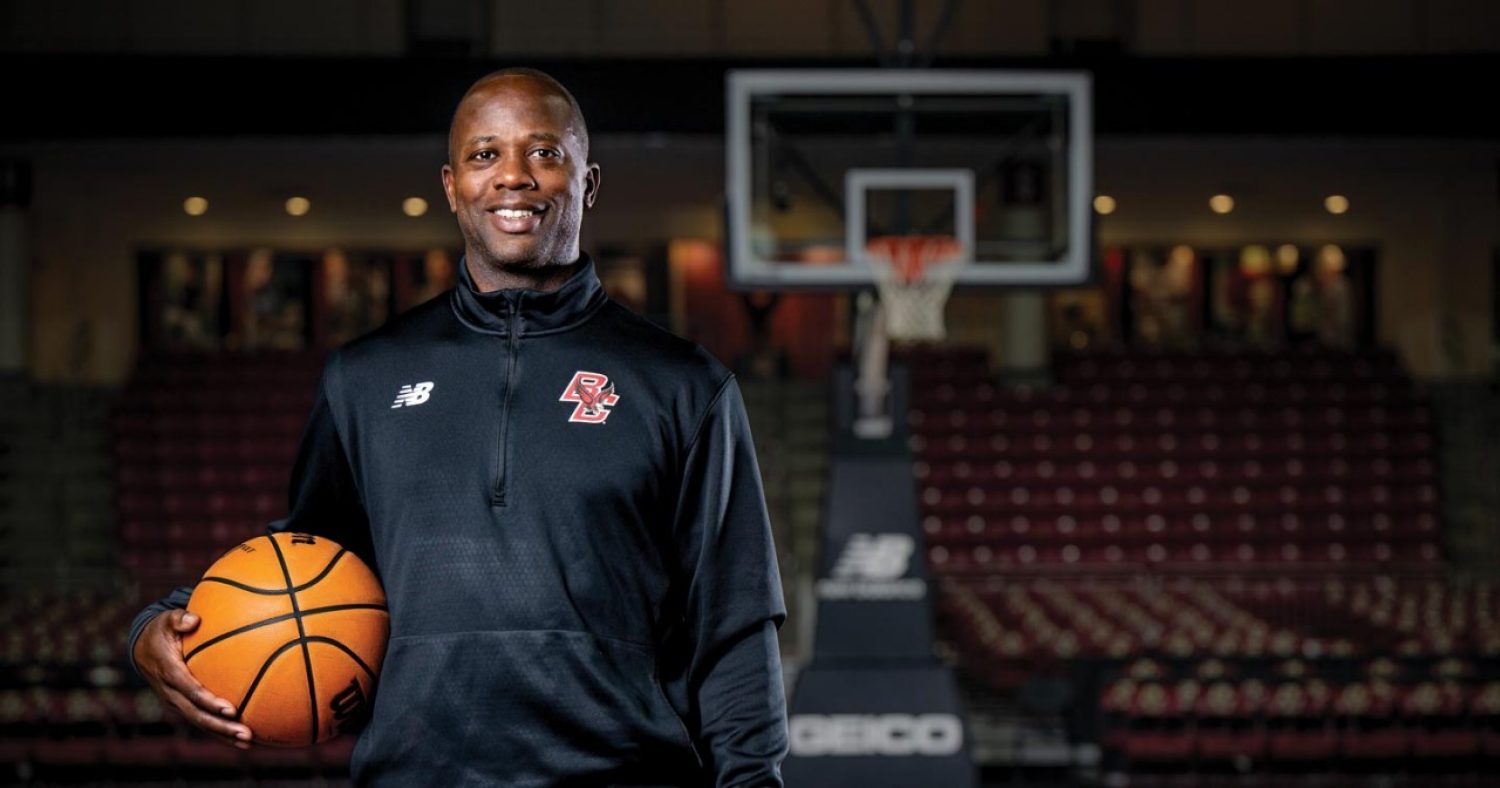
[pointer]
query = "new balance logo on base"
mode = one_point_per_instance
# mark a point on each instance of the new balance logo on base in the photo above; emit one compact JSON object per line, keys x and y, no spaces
{"x":874,"y":557}
{"x":873,"y":566}
{"x":413,"y":394}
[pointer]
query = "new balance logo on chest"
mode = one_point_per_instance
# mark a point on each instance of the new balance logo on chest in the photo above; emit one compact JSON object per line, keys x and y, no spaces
{"x":413,"y":394}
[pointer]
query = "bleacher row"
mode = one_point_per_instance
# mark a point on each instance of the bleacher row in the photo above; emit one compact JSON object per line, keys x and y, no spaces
{"x":1376,"y":711}
{"x":69,"y":631}
{"x":1040,"y":619}
{"x":55,"y":734}
{"x":1310,"y":722}
{"x":986,"y":559}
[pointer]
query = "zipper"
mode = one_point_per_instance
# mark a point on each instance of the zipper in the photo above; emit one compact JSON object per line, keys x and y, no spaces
{"x":514,"y":341}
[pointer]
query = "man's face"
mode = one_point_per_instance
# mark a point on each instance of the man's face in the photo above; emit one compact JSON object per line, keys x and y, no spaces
{"x":517,"y":177}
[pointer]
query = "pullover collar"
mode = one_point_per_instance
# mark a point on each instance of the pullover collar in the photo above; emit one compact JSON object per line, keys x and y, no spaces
{"x":539,"y":312}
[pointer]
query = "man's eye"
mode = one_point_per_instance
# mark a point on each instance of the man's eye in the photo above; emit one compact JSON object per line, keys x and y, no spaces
{"x":546,"y":153}
{"x":484,"y":155}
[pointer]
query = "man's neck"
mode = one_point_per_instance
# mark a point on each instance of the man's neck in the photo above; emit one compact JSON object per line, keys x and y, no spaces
{"x":546,"y":278}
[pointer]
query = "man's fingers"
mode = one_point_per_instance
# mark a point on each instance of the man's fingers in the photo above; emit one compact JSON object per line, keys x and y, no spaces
{"x":235,"y":741}
{"x":185,"y":684}
{"x":177,"y":685}
{"x":183,"y":621}
{"x":236,"y":732}
{"x":232,"y":741}
{"x":184,"y":681}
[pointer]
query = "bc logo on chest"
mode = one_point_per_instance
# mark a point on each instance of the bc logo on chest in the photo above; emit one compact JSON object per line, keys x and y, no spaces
{"x":593,"y":394}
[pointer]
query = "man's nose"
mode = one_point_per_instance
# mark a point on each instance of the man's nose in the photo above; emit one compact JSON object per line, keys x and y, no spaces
{"x":514,"y":173}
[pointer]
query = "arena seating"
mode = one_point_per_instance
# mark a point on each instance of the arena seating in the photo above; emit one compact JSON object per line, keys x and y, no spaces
{"x":1311,"y":460}
{"x":1241,"y":554}
{"x":71,"y":707}
{"x":203,"y":448}
{"x":56,"y":498}
{"x":202,"y":452}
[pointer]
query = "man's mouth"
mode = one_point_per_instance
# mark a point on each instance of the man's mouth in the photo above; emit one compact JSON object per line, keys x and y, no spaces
{"x":517,"y":220}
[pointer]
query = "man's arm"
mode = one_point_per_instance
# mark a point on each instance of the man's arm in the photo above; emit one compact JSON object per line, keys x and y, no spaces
{"x":323,"y":500}
{"x":734,"y":602}
{"x":176,"y":600}
{"x":324,"y":497}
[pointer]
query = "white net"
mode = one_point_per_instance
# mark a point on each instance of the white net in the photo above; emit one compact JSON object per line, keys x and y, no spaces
{"x":914,"y":275}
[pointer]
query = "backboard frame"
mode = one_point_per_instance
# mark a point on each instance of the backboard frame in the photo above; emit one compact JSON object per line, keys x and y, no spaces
{"x":748,"y":270}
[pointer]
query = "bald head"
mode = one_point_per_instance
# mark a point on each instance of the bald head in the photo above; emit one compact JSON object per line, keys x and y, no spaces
{"x":486,"y":87}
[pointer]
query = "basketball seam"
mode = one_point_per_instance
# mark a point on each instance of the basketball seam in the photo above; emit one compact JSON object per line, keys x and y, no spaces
{"x":264,"y":666}
{"x":312,"y":690}
{"x":340,"y":646}
{"x":277,"y":620}
{"x":274,"y":591}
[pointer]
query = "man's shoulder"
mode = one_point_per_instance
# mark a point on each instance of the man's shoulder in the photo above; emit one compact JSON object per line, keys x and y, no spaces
{"x":424,"y":322}
{"x":681,"y":358}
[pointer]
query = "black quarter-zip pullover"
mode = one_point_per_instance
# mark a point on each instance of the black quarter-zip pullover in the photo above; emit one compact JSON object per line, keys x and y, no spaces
{"x":563,"y":504}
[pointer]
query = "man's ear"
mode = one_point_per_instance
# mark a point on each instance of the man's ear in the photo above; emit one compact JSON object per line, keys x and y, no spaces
{"x":448,"y":188}
{"x":590,"y":185}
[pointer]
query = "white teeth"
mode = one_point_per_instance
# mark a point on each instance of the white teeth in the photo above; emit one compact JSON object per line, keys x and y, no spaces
{"x":509,"y":213}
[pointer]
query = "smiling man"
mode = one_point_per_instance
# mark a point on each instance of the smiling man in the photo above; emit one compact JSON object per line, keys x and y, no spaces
{"x":569,"y":525}
{"x":518,"y":179}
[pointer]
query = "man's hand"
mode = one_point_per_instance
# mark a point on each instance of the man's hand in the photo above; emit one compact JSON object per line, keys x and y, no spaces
{"x":158,"y":655}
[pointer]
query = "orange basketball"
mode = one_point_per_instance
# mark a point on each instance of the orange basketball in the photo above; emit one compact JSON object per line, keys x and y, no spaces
{"x":292,"y":631}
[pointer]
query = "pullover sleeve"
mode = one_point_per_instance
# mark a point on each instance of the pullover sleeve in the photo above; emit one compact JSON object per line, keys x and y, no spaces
{"x":733,"y":602}
{"x":323,"y":499}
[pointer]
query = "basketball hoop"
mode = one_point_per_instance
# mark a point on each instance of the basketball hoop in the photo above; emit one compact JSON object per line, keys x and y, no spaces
{"x":914,"y":275}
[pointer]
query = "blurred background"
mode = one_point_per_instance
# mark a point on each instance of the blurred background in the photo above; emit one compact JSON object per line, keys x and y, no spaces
{"x":1224,"y":510}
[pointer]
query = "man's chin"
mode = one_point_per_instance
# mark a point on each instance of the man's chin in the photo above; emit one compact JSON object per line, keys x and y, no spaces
{"x":515,"y":255}
{"x":534,"y":253}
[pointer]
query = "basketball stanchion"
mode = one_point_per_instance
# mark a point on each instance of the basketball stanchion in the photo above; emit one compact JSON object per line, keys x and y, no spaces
{"x":875,"y":707}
